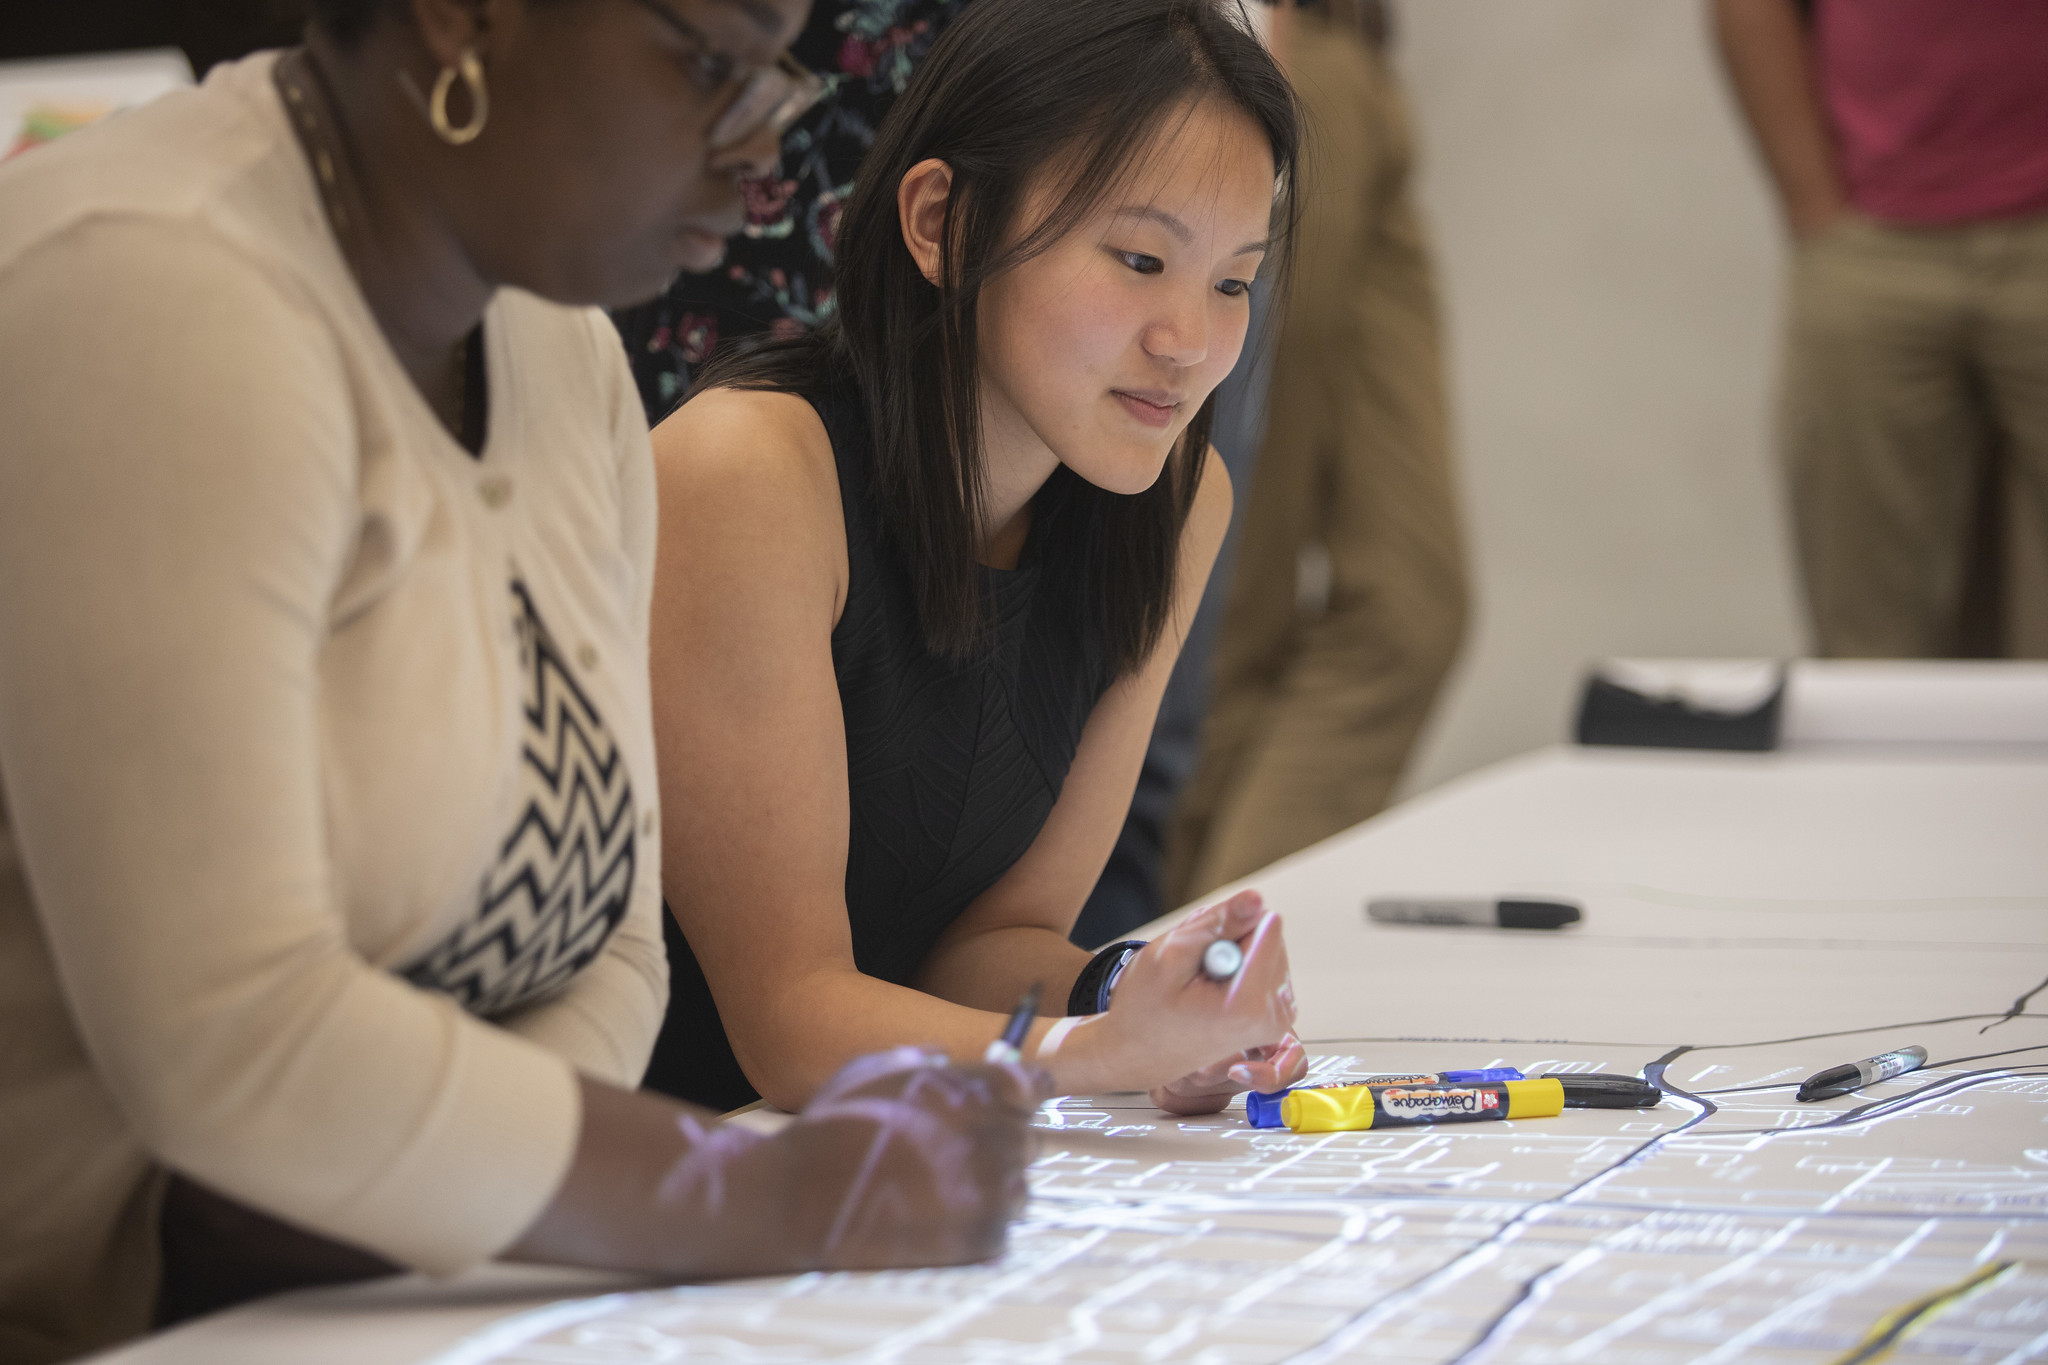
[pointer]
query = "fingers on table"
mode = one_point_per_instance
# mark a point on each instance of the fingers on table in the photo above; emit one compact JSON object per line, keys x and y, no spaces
{"x":1280,"y":1066}
{"x":1187,"y":1106}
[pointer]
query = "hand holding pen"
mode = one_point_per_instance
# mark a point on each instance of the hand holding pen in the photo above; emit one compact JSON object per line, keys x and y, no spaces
{"x":901,"y":1159}
{"x":924,"y":1160}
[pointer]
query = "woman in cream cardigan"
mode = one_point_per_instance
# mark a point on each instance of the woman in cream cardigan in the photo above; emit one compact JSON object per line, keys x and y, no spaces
{"x":329,"y":918}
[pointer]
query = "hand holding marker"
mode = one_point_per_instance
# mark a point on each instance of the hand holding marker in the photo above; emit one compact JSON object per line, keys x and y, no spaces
{"x":1207,"y":1005}
{"x":1221,"y":959}
{"x":1451,"y":1096}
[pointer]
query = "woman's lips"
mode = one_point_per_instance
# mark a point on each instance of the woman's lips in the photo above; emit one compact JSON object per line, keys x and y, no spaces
{"x":1154,"y":410}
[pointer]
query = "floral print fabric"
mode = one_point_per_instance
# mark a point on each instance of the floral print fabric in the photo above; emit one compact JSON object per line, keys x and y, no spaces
{"x":777,"y":276}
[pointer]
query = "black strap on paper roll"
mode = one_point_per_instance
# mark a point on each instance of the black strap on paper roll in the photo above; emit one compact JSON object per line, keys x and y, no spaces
{"x":1610,"y":713}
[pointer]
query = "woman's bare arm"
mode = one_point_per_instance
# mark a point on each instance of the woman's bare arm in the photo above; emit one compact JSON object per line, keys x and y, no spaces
{"x":750,"y":577}
{"x":749,"y":581}
{"x":986,"y":954}
{"x":1167,"y":1024}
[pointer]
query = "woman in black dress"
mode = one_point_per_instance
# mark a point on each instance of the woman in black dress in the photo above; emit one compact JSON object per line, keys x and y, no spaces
{"x":922,"y":576}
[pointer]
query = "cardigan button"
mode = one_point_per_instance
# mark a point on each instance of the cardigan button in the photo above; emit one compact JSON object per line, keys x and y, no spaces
{"x":496,"y":491}
{"x":586,"y":654}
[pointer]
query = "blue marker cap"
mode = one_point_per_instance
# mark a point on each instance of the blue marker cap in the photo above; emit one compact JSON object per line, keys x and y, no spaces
{"x":1262,"y":1108}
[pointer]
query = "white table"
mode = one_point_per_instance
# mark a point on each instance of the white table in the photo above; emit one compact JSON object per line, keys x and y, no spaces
{"x":1733,"y":903}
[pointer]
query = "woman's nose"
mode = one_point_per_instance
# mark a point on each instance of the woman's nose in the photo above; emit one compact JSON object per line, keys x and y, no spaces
{"x":752,"y":158}
{"x":1181,"y":335}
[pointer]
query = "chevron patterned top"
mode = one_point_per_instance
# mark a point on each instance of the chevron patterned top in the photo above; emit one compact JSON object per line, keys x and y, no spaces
{"x":563,"y":877}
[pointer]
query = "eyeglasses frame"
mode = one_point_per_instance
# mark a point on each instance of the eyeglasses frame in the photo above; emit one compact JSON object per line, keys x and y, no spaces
{"x":807,"y":86}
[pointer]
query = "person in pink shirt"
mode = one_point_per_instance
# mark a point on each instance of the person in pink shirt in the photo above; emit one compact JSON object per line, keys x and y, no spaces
{"x":1909,"y":143}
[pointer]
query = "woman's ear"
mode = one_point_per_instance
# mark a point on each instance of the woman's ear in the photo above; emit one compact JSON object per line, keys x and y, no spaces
{"x":921,"y":199}
{"x":449,"y":26}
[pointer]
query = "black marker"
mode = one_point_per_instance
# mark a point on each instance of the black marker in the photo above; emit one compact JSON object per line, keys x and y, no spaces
{"x":1840,"y":1080}
{"x":1010,"y":1047}
{"x":1507,"y":914}
{"x":1598,"y":1090}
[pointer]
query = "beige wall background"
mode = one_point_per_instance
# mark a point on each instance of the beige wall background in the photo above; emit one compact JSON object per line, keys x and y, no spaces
{"x":1610,"y":267}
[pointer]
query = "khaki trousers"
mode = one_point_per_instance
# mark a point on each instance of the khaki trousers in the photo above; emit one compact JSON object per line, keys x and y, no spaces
{"x":1314,"y":706}
{"x":1914,"y":426}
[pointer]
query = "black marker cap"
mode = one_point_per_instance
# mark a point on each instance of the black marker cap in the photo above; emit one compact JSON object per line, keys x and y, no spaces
{"x":1536,"y":914}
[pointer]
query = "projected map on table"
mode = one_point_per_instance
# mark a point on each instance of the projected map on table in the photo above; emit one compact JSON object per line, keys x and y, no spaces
{"x":1730,"y":1223}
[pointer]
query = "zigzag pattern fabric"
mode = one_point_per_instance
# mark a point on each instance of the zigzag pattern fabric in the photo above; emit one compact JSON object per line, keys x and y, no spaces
{"x":564,"y":875}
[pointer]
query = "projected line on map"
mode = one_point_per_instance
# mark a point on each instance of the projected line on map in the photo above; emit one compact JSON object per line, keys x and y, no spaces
{"x":1087,"y":1214}
{"x":1536,"y":1289}
{"x":1362,"y":1323}
{"x":1533,"y":1292}
{"x":1898,"y":1104}
{"x":2019,"y":1007}
{"x":1582,"y":1239}
{"x":1365,"y":1320}
{"x":1930,"y":1066}
{"x":1662,"y":1042}
{"x":1896,"y":1326}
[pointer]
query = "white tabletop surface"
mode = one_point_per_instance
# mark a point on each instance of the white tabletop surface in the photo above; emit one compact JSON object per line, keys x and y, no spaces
{"x":1732,"y":904}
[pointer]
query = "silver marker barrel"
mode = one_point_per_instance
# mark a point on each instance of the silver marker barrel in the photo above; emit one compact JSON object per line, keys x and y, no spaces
{"x":1840,"y":1080}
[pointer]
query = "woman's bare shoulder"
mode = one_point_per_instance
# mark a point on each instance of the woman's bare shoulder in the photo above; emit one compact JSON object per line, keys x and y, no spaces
{"x":748,"y":452}
{"x":748,"y":431}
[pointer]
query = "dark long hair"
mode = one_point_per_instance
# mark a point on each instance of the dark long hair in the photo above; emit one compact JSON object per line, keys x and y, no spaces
{"x":1011,"y":88}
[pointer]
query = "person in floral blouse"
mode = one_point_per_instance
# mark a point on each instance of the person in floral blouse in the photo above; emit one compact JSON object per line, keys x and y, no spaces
{"x":778,"y":277}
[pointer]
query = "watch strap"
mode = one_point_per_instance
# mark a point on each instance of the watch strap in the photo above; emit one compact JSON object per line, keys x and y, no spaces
{"x":1093,"y":986}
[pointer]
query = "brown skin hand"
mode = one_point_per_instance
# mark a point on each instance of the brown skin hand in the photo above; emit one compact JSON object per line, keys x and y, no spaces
{"x":1769,"y":57}
{"x":589,"y":174}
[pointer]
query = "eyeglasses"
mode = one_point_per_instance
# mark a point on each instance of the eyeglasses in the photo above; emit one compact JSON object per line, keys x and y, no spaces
{"x":772,"y":96}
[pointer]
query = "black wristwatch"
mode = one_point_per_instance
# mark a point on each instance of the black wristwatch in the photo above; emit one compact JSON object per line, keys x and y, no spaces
{"x":1093,"y":986}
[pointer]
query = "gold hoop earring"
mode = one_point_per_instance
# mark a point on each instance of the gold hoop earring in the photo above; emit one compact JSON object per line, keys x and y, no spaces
{"x":471,"y":70}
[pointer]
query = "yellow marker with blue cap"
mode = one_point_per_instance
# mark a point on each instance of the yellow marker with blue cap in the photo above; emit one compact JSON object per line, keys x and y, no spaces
{"x":1353,"y":1107}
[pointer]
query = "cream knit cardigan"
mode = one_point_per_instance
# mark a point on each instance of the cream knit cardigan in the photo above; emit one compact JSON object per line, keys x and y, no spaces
{"x":260,"y":721}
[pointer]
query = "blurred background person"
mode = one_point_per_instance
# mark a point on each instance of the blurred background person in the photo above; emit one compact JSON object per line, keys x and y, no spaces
{"x":1348,"y":598}
{"x":1908,"y":140}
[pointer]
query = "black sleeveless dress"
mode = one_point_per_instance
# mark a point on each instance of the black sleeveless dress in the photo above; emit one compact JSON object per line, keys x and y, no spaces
{"x":952,"y":766}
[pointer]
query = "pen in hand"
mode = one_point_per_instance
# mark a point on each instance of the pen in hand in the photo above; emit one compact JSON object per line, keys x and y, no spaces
{"x":1221,"y":960}
{"x":1009,"y":1048}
